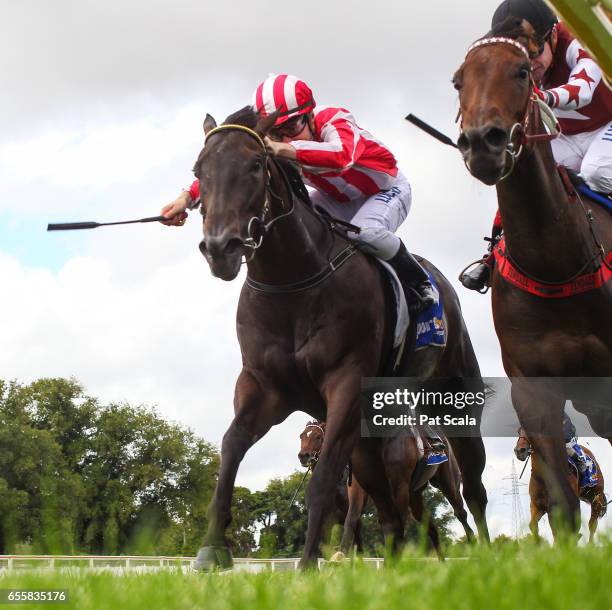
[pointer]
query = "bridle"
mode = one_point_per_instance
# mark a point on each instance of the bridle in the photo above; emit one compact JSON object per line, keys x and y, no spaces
{"x":254,"y":243}
{"x":321,"y":427}
{"x":542,"y":113}
{"x":519,"y":137}
{"x":251,"y":241}
{"x":523,"y":436}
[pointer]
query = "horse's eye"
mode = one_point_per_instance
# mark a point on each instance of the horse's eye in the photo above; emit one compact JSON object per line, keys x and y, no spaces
{"x":256,"y":165}
{"x":523,"y":73}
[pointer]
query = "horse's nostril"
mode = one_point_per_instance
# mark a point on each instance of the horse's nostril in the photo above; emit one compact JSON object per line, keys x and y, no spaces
{"x":463,"y":143}
{"x":495,"y":137}
{"x":202,"y":247}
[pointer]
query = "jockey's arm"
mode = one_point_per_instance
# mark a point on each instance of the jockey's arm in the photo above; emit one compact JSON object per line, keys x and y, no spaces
{"x":584,"y":77}
{"x":339,"y":148}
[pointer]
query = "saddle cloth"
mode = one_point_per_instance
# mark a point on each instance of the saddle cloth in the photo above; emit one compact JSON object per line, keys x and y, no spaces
{"x":431,"y":330}
{"x":595,"y":196}
{"x":591,"y":471}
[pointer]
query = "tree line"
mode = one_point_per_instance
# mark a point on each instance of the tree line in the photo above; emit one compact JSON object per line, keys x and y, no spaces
{"x":78,"y":476}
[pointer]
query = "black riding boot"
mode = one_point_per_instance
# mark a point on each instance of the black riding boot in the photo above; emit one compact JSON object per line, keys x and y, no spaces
{"x":413,"y":277}
{"x":479,"y":277}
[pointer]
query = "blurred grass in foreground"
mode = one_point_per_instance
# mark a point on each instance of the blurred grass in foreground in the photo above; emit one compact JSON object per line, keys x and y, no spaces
{"x":511,"y":576}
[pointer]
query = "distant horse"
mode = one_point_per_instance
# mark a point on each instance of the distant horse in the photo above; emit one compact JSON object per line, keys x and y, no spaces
{"x":446,"y":478}
{"x":548,"y":322}
{"x":540,"y":499}
{"x":315,"y":316}
{"x":350,"y":498}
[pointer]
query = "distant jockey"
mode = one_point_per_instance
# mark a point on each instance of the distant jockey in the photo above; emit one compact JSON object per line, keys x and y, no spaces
{"x":571,"y":84}
{"x":585,"y":465}
{"x":354,"y":175}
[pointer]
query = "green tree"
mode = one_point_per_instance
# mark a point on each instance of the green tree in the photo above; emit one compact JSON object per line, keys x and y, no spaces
{"x":283,"y":523}
{"x":79,"y":476}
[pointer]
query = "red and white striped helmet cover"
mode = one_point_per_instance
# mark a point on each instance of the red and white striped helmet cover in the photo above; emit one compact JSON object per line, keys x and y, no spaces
{"x":283,"y":92}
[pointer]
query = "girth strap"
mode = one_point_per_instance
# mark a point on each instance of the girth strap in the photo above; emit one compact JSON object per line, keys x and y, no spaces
{"x":310,"y":282}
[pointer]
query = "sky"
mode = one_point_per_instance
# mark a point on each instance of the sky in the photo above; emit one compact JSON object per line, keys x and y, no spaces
{"x":101,"y":119}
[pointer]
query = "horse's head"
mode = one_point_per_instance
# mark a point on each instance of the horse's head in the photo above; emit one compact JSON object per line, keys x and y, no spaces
{"x":233,"y":172}
{"x":495,"y":84}
{"x":522,"y":449}
{"x":311,"y":441}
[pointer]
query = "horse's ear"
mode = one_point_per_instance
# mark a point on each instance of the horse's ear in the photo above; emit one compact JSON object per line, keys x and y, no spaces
{"x":529,"y":39}
{"x":264,"y":124}
{"x":458,"y":78}
{"x":209,"y":124}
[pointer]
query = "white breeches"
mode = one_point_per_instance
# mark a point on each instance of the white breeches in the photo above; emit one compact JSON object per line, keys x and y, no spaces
{"x":378,"y":216}
{"x":590,"y":154}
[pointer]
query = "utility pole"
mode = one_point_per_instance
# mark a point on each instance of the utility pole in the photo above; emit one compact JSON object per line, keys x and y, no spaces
{"x":517,"y":508}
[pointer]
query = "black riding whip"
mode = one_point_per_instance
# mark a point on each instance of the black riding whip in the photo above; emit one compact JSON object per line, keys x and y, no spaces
{"x":525,"y":466}
{"x":430,"y":130}
{"x":68,"y":226}
{"x":299,"y":487}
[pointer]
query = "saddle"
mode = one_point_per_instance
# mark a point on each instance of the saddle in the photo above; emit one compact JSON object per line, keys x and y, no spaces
{"x":575,"y":184}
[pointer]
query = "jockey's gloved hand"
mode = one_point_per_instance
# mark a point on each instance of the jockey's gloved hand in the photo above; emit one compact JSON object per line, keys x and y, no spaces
{"x":546,"y":96}
{"x":176,"y":211}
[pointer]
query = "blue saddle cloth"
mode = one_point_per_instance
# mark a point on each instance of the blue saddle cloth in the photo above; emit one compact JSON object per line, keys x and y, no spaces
{"x":588,"y":478}
{"x":430,"y":327}
{"x":597,"y":197}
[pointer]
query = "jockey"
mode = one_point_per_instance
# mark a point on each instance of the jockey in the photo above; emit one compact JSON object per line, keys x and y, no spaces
{"x":571,"y":84}
{"x":354,"y":176}
{"x":585,"y":465}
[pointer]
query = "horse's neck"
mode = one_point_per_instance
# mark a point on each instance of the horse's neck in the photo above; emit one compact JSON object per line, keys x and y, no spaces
{"x":296,"y":246}
{"x":546,"y":234}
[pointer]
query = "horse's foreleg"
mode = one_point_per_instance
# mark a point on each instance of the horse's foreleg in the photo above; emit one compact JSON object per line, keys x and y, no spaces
{"x":256,"y":412}
{"x":540,"y":414}
{"x":536,"y":515}
{"x":351,"y":533}
{"x":416,"y":504}
{"x":370,"y":470}
{"x":342,"y":431}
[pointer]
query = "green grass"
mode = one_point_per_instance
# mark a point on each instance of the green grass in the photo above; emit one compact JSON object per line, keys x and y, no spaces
{"x":524,"y":577}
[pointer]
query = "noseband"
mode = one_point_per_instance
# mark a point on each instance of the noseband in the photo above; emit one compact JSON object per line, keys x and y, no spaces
{"x":251,"y":241}
{"x":523,"y":436}
{"x":519,"y":130}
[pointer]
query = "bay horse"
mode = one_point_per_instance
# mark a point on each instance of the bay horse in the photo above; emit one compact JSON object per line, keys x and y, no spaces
{"x":349,"y":498}
{"x":315,"y":316}
{"x":550,"y":243}
{"x":446,"y":478}
{"x":540,"y":504}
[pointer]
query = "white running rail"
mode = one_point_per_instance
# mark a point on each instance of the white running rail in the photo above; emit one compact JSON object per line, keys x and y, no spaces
{"x":145,"y":564}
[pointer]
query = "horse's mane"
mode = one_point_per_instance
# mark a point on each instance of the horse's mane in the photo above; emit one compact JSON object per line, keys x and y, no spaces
{"x":245,"y":116}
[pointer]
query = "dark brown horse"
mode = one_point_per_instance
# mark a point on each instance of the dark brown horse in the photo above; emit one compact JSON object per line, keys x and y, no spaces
{"x":549,"y":238}
{"x":540,"y":504}
{"x":446,"y":478}
{"x":315,"y":316}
